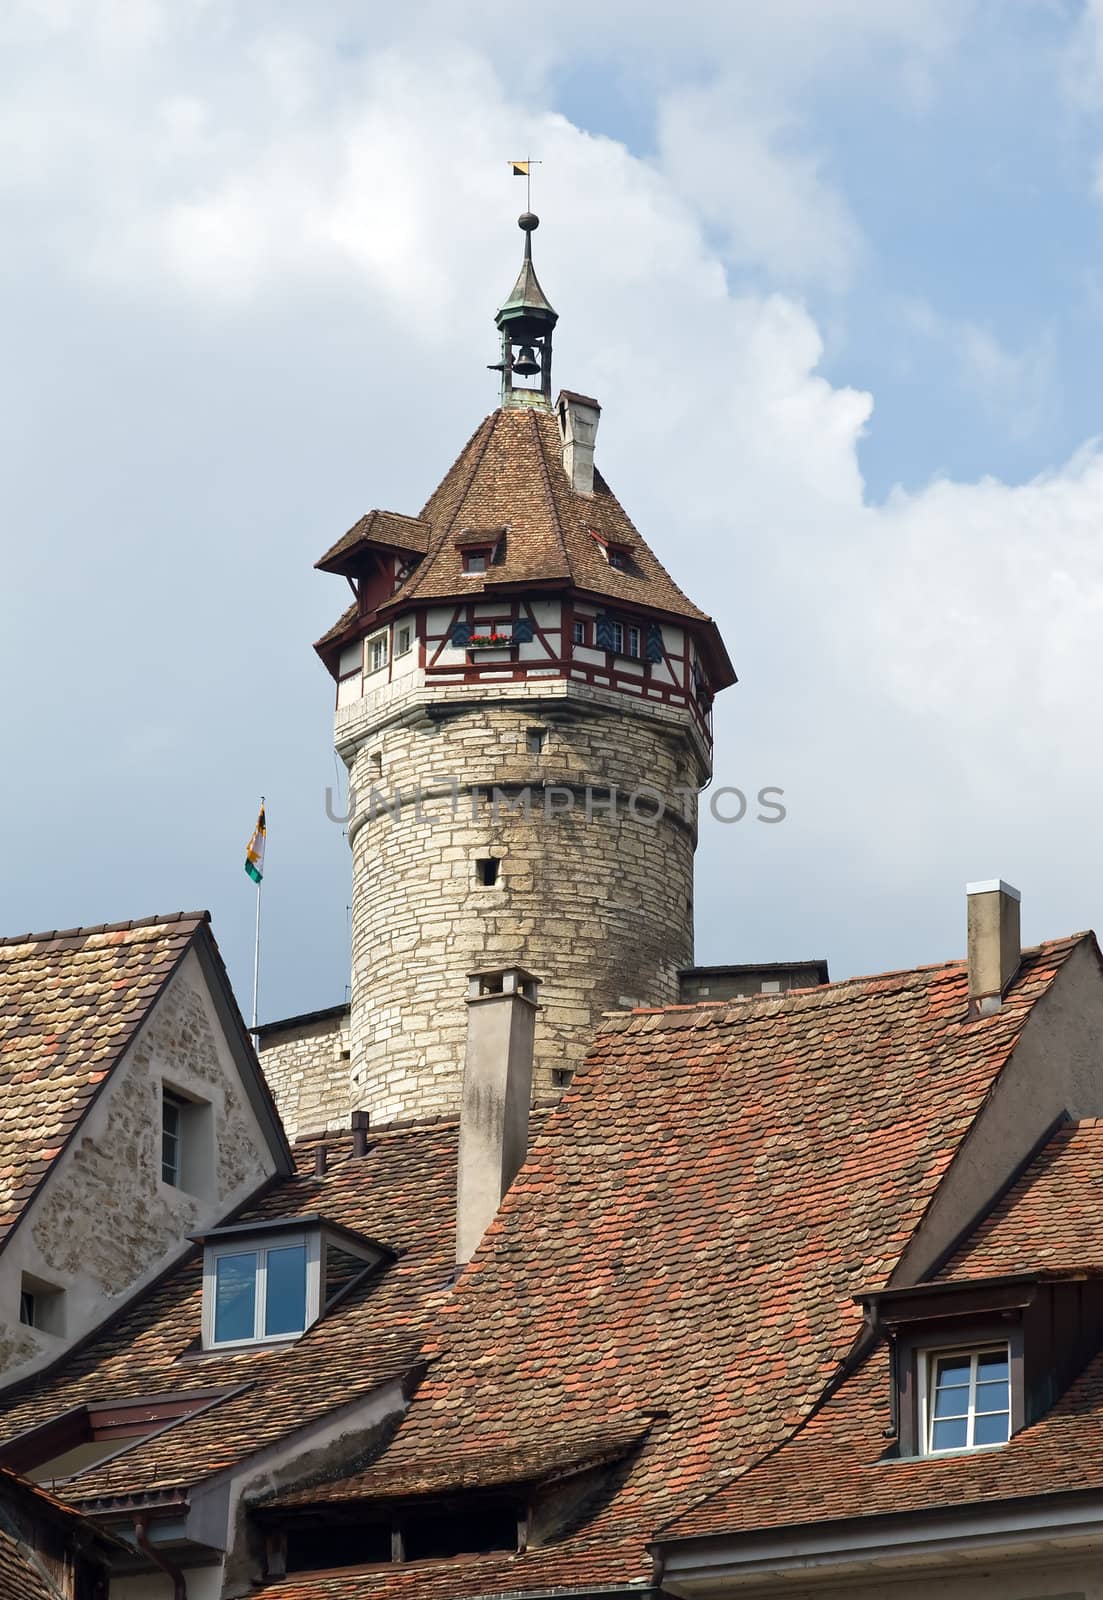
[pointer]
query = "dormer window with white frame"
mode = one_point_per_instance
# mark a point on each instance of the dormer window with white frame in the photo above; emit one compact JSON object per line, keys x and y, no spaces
{"x":268,"y":1282}
{"x":965,"y":1399}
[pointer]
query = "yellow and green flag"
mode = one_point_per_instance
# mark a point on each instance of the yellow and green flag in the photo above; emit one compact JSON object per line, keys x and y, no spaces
{"x":254,"y":855}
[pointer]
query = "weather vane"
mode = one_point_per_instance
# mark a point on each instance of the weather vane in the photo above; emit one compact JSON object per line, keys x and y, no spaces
{"x":523,"y":169}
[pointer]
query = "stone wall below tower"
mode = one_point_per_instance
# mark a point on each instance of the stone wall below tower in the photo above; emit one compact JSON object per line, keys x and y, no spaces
{"x":595,"y":901}
{"x":306,"y":1063}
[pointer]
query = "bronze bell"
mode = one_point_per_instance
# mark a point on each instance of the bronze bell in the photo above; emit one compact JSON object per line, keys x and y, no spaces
{"x":526,"y":364}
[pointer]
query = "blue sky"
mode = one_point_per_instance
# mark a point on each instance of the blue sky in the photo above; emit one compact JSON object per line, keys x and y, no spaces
{"x":833,"y":270}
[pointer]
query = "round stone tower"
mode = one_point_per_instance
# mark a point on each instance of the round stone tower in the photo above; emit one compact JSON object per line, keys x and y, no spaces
{"x":523,"y":706}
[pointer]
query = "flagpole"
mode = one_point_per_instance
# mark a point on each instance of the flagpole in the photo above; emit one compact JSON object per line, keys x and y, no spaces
{"x":256,"y":968}
{"x":256,"y":943}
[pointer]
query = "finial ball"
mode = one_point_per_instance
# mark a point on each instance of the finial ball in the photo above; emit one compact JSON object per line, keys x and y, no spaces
{"x":528,"y":221}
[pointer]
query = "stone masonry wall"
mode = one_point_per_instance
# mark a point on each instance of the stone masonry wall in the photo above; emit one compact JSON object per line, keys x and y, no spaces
{"x":598,"y":907}
{"x":307,"y":1068}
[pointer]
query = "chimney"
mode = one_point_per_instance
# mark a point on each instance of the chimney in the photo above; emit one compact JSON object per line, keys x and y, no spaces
{"x":994,"y":945}
{"x":361,"y":1122}
{"x":578,"y":420}
{"x":497,"y":1090}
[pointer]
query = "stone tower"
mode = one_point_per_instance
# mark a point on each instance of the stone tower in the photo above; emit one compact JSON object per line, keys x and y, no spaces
{"x":523,"y":706}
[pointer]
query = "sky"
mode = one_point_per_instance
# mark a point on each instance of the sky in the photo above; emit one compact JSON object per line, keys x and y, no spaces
{"x":831,"y":266}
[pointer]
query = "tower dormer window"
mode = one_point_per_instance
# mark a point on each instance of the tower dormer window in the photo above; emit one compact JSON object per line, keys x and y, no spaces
{"x":377,"y":651}
{"x":474,"y":561}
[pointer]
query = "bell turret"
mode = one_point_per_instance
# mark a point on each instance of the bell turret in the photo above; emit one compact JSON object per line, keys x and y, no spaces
{"x":526,"y":322}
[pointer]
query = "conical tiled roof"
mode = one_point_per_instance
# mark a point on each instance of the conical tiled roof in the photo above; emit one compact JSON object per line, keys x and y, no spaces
{"x":510,"y":475}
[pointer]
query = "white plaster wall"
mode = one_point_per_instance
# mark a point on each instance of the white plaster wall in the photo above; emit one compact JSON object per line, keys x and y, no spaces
{"x":104,"y":1224}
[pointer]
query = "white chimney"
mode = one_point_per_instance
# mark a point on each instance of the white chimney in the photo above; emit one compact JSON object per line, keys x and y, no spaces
{"x":578,"y":420}
{"x":497,"y":1092}
{"x":994,"y":942}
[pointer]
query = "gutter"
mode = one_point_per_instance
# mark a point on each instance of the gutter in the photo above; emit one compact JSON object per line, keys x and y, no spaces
{"x":141,"y":1539}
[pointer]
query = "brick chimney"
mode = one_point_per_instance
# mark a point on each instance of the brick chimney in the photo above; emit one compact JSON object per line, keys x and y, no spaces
{"x":578,"y":420}
{"x":994,"y":943}
{"x":497,"y":1091}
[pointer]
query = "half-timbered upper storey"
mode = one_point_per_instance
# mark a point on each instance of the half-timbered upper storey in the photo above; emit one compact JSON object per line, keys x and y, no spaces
{"x":522,"y":565}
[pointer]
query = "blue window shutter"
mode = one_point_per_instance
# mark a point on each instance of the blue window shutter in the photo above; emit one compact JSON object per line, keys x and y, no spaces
{"x":654,"y":642}
{"x":522,"y":631}
{"x":603,"y":633}
{"x":461,"y":633}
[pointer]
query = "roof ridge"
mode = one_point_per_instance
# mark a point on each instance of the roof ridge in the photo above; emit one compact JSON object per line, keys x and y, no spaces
{"x":166,"y":920}
{"x":820,"y":993}
{"x":557,"y":521}
{"x":486,"y":428}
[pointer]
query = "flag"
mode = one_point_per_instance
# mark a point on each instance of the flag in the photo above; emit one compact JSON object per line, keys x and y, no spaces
{"x":254,"y":856}
{"x":520,"y":168}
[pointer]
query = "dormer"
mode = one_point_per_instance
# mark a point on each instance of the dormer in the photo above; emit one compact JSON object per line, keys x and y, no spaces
{"x":617,"y":552}
{"x":480,"y":549}
{"x":269,"y":1281}
{"x":975,"y":1361}
{"x":377,"y":555}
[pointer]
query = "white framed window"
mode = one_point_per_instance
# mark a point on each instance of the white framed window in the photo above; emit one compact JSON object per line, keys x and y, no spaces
{"x":634,"y":643}
{"x":578,"y":632}
{"x":964,"y":1398}
{"x":260,"y":1290}
{"x":403,"y":639}
{"x":616,"y":634}
{"x":377,"y":651}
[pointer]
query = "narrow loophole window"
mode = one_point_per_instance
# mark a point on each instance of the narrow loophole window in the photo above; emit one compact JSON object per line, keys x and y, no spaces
{"x":486,"y":872}
{"x":534,"y":741}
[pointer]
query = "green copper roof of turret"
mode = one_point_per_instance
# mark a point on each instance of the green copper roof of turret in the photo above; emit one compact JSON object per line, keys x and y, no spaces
{"x":527,"y":302}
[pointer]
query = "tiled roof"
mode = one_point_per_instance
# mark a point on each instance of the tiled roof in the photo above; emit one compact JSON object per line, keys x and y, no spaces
{"x":402,"y":1192}
{"x":554,"y":1455}
{"x":378,"y":530}
{"x":20,"y":1576}
{"x":686,"y":1235}
{"x":837,"y":1467}
{"x":510,"y":474}
{"x":1042,"y":1223}
{"x":1049,"y":1221}
{"x":70,"y":1003}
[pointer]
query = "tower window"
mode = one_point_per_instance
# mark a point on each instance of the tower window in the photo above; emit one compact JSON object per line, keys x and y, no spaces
{"x":474,"y":561}
{"x":486,"y":872}
{"x":616,"y":637}
{"x":578,"y":632}
{"x":534,"y":741}
{"x":378,"y":652}
{"x":403,"y":639}
{"x":634,"y":643}
{"x":617,"y":558}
